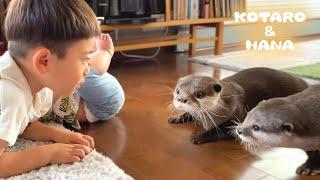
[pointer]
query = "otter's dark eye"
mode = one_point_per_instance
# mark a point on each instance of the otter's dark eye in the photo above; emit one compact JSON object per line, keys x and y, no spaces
{"x":255,"y":128}
{"x":199,"y":94}
{"x":287,"y":127}
{"x":178,"y":91}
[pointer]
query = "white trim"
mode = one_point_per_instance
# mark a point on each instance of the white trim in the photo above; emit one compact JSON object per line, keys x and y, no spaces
{"x":90,"y":117}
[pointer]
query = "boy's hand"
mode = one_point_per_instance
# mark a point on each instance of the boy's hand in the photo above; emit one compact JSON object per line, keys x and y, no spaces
{"x":70,"y":137}
{"x":104,"y":43}
{"x":66,"y":153}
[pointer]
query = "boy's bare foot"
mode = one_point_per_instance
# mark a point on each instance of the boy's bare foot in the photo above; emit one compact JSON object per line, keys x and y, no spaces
{"x":104,"y":43}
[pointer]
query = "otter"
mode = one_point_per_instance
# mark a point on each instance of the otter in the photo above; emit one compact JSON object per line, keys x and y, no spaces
{"x":290,"y":122}
{"x":215,"y":104}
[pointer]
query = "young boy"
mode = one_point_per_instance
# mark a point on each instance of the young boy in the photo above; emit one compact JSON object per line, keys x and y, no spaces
{"x":100,"y":96}
{"x":51,"y":45}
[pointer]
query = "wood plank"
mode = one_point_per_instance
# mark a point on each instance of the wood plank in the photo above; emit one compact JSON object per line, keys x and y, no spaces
{"x":216,"y":73}
{"x":144,"y":45}
{"x":191,"y":67}
{"x":151,"y":39}
{"x":192,"y":45}
{"x":219,"y":40}
{"x":164,"y":23}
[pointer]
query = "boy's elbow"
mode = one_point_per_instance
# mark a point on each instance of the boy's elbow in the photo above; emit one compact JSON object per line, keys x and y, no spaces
{"x":3,"y":170}
{"x":3,"y":174}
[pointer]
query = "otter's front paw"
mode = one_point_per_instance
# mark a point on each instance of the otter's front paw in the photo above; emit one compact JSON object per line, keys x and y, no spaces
{"x":199,"y":137}
{"x":308,"y":170}
{"x":186,"y":117}
{"x":175,"y":120}
{"x":205,"y":136}
{"x":312,"y":166}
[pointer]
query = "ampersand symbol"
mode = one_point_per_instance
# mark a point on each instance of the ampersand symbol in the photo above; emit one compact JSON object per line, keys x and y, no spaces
{"x":269,"y":32}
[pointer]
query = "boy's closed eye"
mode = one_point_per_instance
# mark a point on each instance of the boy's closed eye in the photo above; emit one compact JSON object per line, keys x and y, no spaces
{"x":89,"y":55}
{"x":87,"y":62}
{"x":88,"y":58}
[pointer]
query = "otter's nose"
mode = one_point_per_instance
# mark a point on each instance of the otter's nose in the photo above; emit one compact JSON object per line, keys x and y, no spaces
{"x":183,"y":100}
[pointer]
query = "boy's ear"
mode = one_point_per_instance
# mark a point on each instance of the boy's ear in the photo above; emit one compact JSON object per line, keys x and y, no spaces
{"x":40,"y":60}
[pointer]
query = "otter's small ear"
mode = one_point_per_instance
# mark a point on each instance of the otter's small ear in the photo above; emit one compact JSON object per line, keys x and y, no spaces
{"x":287,"y":127}
{"x":217,"y":87}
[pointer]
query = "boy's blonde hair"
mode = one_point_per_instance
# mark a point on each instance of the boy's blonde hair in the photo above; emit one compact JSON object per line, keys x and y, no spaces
{"x":54,"y":24}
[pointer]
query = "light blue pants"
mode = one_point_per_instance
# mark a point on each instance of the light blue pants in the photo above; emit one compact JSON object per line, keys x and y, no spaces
{"x":102,"y":94}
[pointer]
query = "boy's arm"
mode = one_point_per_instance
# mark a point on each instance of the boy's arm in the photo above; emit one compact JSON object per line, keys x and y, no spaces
{"x":15,"y":163}
{"x":37,"y":131}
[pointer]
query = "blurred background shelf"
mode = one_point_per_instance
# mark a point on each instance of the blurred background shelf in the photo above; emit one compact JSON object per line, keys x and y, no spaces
{"x":193,"y":13}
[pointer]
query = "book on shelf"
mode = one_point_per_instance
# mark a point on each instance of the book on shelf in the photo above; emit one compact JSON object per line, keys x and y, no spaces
{"x":194,"y":9}
{"x":227,"y":8}
{"x":206,"y":9}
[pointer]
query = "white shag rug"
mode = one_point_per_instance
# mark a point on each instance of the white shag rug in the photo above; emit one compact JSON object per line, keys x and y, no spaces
{"x":305,"y":53}
{"x":93,"y":166}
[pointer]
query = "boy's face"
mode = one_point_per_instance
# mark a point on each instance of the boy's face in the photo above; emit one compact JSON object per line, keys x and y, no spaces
{"x":67,"y":74}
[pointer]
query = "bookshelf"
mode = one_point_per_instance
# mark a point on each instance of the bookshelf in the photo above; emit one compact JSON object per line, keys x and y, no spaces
{"x":171,"y":19}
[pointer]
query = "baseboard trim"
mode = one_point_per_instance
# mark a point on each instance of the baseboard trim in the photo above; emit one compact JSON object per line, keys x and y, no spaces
{"x":242,"y":45}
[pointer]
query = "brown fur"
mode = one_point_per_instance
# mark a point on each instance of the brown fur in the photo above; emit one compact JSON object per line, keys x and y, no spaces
{"x":291,"y":122}
{"x":239,"y":94}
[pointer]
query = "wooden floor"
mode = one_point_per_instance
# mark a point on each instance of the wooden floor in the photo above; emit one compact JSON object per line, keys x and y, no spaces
{"x":141,"y":141}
